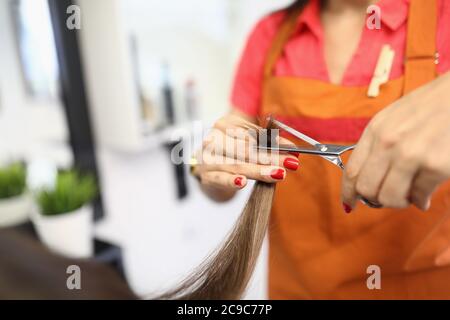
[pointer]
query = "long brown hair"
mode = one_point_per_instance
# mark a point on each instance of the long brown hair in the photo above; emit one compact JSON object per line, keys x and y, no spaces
{"x":226,"y":273}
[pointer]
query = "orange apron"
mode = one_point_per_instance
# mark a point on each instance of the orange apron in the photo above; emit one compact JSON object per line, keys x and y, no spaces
{"x":318,"y":251}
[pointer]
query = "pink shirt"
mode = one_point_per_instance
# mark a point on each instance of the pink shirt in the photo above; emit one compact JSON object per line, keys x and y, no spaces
{"x":303,"y":54}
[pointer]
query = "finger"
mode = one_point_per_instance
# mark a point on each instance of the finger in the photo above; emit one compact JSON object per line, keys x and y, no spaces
{"x":252,"y":171}
{"x":244,"y":134}
{"x":246,"y":151}
{"x":247,"y":131}
{"x":285,"y":142}
{"x":373,"y":171}
{"x":349,"y":194}
{"x":395,"y":189}
{"x":421,"y":202}
{"x":434,"y":170}
{"x":234,"y":121}
{"x":423,"y":186}
{"x":287,"y":161}
{"x":224,"y":180}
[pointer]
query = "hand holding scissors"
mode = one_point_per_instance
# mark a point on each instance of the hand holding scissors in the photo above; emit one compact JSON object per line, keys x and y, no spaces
{"x":329,"y":152}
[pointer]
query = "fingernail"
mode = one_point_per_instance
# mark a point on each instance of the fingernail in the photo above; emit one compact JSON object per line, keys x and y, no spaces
{"x":295,"y":154}
{"x":238,"y":181}
{"x":277,"y":174}
{"x":291,"y":163}
{"x":347,"y":208}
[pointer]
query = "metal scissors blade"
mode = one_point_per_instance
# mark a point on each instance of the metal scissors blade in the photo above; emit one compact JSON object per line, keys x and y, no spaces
{"x":334,"y":159}
{"x":287,"y":148}
{"x":295,"y":133}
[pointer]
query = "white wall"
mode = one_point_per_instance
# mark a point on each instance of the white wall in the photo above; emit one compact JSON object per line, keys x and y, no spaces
{"x":28,"y":128}
{"x":200,"y":39}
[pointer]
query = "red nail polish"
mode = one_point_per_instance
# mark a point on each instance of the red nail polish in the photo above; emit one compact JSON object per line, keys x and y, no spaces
{"x":238,"y":181}
{"x":347,"y":208}
{"x":277,"y":174}
{"x":295,"y":154}
{"x":291,"y":164}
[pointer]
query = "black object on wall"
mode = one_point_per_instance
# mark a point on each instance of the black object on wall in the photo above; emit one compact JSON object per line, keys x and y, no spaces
{"x":73,"y":92}
{"x":179,"y":171}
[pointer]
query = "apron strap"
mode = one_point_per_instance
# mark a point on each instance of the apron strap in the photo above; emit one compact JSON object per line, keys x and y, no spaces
{"x":421,"y":55}
{"x":284,"y":33}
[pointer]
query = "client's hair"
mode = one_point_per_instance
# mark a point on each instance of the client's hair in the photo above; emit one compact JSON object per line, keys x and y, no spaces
{"x":226,"y":273}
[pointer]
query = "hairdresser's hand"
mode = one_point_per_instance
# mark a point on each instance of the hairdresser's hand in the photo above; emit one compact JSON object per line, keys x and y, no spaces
{"x":228,"y":158}
{"x":404,"y":153}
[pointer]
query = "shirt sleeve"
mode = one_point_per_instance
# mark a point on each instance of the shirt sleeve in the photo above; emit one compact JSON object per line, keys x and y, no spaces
{"x":443,"y":45}
{"x":247,"y":86}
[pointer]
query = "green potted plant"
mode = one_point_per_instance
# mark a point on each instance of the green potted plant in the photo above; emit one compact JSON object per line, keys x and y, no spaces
{"x":63,"y":215}
{"x":15,"y":202}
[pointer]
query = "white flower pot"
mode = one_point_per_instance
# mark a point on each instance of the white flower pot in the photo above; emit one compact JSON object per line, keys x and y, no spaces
{"x":15,"y":210}
{"x":68,"y":234}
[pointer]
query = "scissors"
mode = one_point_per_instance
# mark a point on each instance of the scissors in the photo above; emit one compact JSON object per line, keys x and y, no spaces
{"x":329,"y":152}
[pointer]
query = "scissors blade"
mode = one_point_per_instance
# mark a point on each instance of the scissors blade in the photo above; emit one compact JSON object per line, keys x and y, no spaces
{"x":287,"y":148}
{"x":336,"y":160}
{"x":295,"y":133}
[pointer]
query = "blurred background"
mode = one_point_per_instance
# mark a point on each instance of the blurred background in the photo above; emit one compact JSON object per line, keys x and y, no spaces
{"x":108,"y":99}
